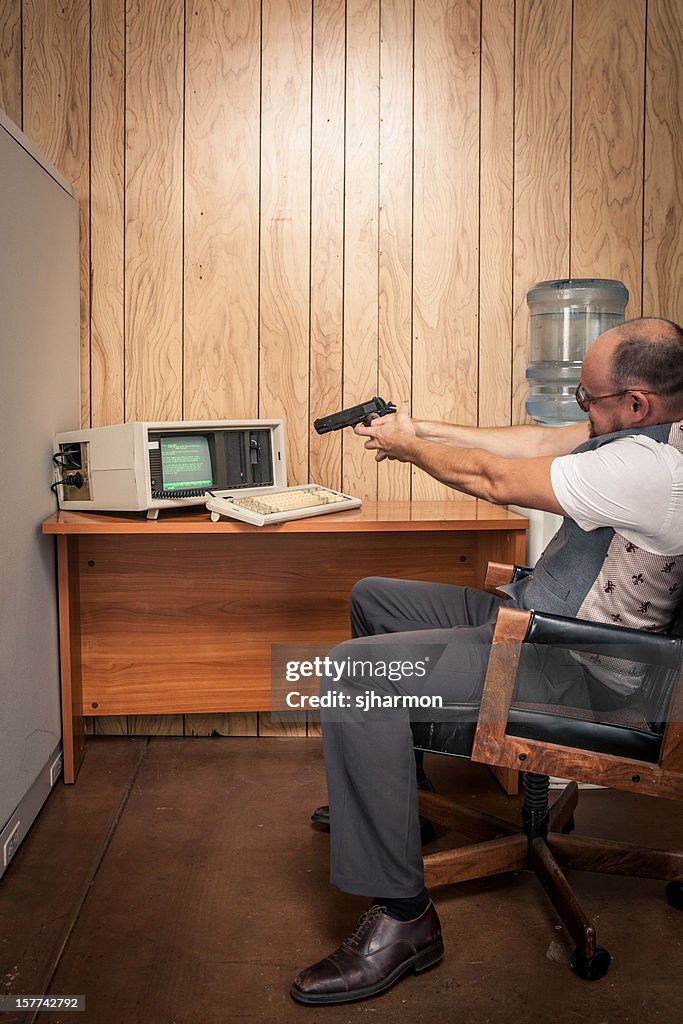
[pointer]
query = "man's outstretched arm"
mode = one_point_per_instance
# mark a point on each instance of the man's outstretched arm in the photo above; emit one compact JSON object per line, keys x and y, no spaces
{"x":483,"y":474}
{"x":520,"y":442}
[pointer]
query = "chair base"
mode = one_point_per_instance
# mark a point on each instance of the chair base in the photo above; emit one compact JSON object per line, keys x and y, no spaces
{"x":541,"y":846}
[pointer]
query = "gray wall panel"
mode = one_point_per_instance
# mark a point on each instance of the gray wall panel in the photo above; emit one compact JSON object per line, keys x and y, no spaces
{"x":39,"y":394}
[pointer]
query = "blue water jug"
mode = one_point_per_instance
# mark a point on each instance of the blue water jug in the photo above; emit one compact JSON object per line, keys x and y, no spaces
{"x":565,"y":319}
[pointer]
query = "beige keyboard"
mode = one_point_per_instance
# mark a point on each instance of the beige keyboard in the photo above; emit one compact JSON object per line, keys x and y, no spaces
{"x":280,"y":506}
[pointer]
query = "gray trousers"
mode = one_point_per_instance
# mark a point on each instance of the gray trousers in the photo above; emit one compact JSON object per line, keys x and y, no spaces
{"x":369,"y":760}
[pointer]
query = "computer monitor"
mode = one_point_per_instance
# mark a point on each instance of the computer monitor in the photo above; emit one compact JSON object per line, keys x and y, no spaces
{"x":185,"y":462}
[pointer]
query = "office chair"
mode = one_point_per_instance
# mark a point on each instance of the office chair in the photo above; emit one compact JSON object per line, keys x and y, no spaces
{"x":630,"y":749}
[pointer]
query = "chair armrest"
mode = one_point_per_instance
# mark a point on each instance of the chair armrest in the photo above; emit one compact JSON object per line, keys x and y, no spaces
{"x":512,"y":626}
{"x":499,"y":573}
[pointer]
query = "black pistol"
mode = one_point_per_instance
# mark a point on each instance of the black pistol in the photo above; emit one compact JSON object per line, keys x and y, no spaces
{"x":356,"y":414}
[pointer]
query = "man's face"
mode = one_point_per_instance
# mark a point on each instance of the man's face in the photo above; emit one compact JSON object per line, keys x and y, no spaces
{"x":605,"y":421}
{"x":605,"y":414}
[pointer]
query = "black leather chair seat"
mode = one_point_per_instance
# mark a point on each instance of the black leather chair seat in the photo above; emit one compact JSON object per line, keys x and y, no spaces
{"x":624,"y":733}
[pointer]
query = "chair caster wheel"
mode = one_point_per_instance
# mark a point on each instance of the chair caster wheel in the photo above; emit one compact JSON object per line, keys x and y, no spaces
{"x":569,"y":827}
{"x":591,"y":968}
{"x":674,"y":894}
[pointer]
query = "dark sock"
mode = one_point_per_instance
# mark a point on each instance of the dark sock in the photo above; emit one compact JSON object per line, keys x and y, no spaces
{"x":405,"y":910}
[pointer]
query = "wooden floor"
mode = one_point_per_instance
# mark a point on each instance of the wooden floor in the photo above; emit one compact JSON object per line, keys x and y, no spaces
{"x":179,"y":882}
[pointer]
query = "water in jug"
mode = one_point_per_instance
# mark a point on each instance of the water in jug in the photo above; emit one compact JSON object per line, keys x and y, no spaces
{"x":565,"y":319}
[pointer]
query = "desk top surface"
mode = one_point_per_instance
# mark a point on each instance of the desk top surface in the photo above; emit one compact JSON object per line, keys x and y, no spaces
{"x":383,"y":516}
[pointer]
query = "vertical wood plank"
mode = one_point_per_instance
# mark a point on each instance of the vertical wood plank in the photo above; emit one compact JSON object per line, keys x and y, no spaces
{"x":285,"y":224}
{"x":663,"y":244}
{"x":395,"y":224}
{"x":327,"y":234}
{"x":221,"y":209}
{"x":106,"y":210}
{"x":496,"y":211}
{"x":607,"y":143}
{"x":154,"y":192}
{"x":10,"y":59}
{"x":361,"y":233}
{"x":446,"y":264}
{"x":542,"y":164}
{"x":56,"y":118}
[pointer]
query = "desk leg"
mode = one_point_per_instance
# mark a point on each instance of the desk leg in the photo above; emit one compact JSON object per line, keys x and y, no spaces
{"x":73,"y":740}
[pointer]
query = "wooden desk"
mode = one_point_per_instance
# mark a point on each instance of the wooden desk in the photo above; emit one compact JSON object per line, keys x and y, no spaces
{"x":178,"y":615}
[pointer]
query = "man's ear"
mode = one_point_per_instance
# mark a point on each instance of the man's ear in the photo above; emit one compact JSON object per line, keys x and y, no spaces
{"x":639,"y":405}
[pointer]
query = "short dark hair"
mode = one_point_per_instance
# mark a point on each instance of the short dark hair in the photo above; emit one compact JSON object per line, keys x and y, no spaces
{"x":650,"y":353}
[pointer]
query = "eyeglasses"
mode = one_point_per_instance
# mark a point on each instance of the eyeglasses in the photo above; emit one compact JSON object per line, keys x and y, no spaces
{"x":584,"y":401}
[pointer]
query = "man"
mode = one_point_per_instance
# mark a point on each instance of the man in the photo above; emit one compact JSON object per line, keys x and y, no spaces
{"x":618,"y":557}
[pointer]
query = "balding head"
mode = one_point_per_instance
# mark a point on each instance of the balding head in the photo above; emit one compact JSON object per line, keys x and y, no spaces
{"x":649,"y":352}
{"x":642,"y":362}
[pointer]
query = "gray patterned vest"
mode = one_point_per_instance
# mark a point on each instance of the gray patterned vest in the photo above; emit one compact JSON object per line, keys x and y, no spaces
{"x":602,"y":576}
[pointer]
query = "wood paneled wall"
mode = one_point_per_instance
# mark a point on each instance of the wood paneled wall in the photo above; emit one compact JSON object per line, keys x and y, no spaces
{"x":288,"y":206}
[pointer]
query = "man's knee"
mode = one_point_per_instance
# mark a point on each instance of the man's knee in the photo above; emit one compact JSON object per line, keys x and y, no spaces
{"x":365,"y":588}
{"x":341,"y":653}
{"x":365,"y":592}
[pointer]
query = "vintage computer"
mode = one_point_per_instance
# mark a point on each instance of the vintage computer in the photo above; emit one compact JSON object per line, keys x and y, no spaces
{"x":237,"y":468}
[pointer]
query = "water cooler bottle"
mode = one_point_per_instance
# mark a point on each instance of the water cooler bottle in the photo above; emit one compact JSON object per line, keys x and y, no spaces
{"x":565,"y":319}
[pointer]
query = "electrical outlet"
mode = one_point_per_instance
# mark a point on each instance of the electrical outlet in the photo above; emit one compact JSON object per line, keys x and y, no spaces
{"x":56,"y":769}
{"x":11,"y":844}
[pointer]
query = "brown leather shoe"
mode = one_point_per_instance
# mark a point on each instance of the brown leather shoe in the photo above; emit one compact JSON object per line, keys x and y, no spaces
{"x":378,"y":953}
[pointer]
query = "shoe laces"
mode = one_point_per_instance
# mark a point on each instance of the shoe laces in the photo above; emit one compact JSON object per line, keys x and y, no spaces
{"x":365,"y":922}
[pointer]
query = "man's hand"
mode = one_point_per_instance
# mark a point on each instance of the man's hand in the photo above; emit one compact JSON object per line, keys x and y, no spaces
{"x":390,"y":437}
